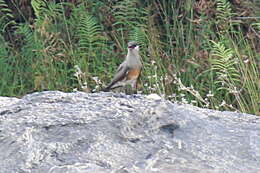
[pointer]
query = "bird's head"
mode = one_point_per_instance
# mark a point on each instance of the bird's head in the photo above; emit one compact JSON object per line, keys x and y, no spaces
{"x":133,"y":46}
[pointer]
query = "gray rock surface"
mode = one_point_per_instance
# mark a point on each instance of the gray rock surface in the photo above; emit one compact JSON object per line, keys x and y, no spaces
{"x":55,"y":132}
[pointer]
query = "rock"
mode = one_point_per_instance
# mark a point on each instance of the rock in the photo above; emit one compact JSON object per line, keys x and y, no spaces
{"x":58,"y":132}
{"x":6,"y":101}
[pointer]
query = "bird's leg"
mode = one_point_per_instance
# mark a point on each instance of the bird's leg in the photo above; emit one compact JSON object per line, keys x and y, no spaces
{"x":131,"y":88}
{"x":134,"y":84}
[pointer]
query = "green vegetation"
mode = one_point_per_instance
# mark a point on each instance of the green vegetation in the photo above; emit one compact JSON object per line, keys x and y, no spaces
{"x":205,"y":53}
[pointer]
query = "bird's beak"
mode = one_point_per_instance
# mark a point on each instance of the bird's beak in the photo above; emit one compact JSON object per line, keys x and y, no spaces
{"x":131,"y":47}
{"x":136,"y":47}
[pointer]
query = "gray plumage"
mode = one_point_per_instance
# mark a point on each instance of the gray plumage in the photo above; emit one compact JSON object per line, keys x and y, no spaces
{"x":131,"y":62}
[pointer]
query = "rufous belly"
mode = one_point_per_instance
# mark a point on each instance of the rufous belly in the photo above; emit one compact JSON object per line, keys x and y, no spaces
{"x":133,"y":74}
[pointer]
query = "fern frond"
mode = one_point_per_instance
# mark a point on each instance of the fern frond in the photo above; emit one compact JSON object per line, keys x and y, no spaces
{"x":127,"y":13}
{"x":224,"y":11}
{"x":31,"y":45}
{"x":38,"y":5}
{"x":42,"y":9}
{"x":224,"y":14}
{"x":89,"y":32}
{"x":224,"y":65}
{"x":139,"y":35}
{"x":53,"y":10}
{"x":25,"y":31}
{"x":7,"y":17}
{"x":256,"y":26}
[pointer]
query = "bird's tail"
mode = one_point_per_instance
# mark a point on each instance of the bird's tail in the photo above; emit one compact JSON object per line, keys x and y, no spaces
{"x":110,"y":87}
{"x":105,"y":89}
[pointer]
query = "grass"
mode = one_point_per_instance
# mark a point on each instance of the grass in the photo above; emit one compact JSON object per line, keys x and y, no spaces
{"x":198,"y":52}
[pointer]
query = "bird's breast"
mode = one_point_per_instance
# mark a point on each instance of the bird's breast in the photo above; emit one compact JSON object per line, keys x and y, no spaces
{"x":133,"y":74}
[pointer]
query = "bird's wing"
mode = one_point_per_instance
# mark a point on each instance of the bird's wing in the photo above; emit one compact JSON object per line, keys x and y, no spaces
{"x":120,"y":74}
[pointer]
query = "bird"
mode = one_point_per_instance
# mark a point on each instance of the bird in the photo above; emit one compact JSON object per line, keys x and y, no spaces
{"x":129,"y":71}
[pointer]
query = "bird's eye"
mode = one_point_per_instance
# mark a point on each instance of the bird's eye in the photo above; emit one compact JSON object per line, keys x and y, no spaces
{"x":132,"y":46}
